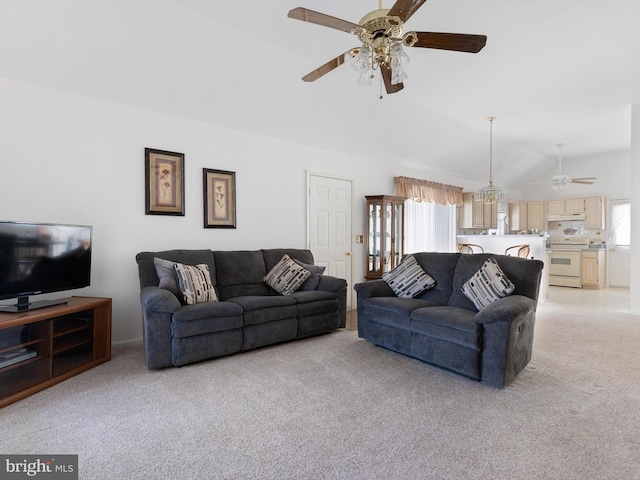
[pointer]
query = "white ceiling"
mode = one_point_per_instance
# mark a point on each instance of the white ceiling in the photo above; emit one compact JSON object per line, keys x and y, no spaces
{"x":552,"y":71}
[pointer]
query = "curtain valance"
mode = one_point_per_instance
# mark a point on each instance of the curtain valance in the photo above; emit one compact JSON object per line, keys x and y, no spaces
{"x":429,"y":192}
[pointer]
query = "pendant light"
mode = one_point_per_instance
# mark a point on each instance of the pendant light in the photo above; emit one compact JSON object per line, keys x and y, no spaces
{"x":490,"y":194}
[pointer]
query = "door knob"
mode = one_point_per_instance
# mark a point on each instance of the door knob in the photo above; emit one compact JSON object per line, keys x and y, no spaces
{"x":349,"y":254}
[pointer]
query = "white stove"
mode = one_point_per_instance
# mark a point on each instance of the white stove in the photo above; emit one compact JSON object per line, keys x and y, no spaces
{"x":565,"y":260}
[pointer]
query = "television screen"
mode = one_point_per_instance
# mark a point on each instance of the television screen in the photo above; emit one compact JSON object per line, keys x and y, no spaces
{"x":38,"y":258}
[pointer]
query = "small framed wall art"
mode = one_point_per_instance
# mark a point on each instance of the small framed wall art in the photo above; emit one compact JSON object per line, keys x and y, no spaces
{"x":219,"y":198}
{"x":164,"y":182}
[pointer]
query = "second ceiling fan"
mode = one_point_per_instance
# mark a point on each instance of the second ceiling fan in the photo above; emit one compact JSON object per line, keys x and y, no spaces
{"x":382,"y":35}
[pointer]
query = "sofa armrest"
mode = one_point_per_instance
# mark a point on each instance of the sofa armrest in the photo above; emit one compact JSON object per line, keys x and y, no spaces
{"x":507,"y":309}
{"x":155,"y":299}
{"x":374,"y":288}
{"x":158,"y":307}
{"x":331,"y":284}
{"x":508,"y":326}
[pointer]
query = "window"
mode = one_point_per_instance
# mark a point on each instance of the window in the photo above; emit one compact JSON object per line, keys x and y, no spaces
{"x":430,"y":227}
{"x":621,"y":222}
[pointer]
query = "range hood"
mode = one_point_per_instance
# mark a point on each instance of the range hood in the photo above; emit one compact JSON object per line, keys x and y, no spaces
{"x":563,"y":217}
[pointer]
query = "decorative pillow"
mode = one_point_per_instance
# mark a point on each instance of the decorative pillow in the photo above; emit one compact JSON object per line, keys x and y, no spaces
{"x":313,"y":281}
{"x":195,"y":283}
{"x":286,"y":276}
{"x":408,"y":280}
{"x":167,"y":275}
{"x":487,"y":285}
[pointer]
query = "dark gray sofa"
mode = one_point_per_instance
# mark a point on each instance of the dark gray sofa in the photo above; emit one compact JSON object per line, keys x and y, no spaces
{"x":443,"y":327}
{"x":250,"y":314}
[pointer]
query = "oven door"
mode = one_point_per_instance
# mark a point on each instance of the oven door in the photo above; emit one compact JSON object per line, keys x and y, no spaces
{"x":564,"y":268}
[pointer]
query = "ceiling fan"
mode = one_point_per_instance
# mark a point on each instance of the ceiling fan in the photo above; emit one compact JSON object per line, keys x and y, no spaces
{"x":562,"y":181}
{"x":382,"y":35}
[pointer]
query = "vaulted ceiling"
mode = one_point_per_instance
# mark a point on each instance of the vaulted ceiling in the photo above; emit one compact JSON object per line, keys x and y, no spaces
{"x":552,"y":71}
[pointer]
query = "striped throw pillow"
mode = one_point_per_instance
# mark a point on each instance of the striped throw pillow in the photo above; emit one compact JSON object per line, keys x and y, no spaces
{"x":408,"y":280}
{"x":194,"y":282}
{"x":487,"y":285}
{"x":286,"y":276}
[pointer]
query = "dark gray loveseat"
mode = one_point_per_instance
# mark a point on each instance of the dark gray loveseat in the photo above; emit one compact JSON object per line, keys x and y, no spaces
{"x":443,"y":327}
{"x":249,"y":314}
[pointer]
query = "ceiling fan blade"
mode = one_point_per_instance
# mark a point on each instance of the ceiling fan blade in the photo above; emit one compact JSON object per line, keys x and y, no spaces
{"x":584,"y":181}
{"x":386,"y":76}
{"x":327,"y":67}
{"x":459,"y":42}
{"x":321,"y":19}
{"x":405,"y":8}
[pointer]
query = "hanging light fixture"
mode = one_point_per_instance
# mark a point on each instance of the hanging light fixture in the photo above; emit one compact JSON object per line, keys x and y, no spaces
{"x":382,"y":39}
{"x":490,"y":193}
{"x":560,"y":181}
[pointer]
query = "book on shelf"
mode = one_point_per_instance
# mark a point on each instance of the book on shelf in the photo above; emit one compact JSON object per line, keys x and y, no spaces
{"x":16,"y":356}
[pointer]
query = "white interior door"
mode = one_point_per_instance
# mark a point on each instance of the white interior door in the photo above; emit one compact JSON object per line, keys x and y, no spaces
{"x":329,"y":225}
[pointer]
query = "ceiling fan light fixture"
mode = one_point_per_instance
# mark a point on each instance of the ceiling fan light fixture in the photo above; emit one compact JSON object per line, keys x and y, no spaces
{"x":361,"y":63}
{"x":382,"y":39}
{"x":491,"y":193}
{"x":399,"y":59}
{"x":560,"y":182}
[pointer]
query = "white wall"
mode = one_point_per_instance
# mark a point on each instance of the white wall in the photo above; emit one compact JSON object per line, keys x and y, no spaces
{"x":634,"y":175}
{"x":73,"y":159}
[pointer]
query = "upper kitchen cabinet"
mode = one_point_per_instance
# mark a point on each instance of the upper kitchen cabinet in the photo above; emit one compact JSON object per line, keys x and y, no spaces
{"x":518,"y":218}
{"x":535,"y":216}
{"x":477,"y":214}
{"x":594,"y":208}
{"x":569,"y":206}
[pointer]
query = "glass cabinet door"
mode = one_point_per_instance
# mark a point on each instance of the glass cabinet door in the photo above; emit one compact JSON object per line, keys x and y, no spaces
{"x":385,"y":234}
{"x":373,"y":247}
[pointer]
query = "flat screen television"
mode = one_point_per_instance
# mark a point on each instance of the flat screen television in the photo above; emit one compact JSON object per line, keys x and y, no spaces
{"x":38,"y":258}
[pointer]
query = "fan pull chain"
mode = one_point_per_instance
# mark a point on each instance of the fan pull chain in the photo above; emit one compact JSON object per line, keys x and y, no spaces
{"x":380,"y":84}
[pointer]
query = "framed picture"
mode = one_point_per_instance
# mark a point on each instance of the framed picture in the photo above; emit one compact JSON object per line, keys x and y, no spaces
{"x":219,"y":198}
{"x":164,"y":182}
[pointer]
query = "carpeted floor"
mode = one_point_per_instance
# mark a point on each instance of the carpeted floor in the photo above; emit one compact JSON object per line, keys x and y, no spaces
{"x":336,"y":407}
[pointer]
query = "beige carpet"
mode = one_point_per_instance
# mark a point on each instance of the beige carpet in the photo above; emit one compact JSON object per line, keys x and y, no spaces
{"x":337,"y":407}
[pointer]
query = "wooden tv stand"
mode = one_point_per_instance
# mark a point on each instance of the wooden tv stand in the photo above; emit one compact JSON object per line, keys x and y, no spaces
{"x":51,"y":344}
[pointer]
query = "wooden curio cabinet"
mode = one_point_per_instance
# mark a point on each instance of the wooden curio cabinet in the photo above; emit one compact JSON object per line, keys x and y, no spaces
{"x":385,"y":234}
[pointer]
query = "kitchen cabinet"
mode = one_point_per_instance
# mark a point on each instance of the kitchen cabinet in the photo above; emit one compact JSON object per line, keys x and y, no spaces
{"x":518,"y":218}
{"x":535,"y":216}
{"x":555,"y":207}
{"x":474,"y":214}
{"x":593,"y":271}
{"x":385,"y":234}
{"x":594,"y":207}
{"x":572,"y":205}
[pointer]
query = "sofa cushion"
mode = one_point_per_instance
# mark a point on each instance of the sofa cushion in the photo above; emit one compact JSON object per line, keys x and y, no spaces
{"x":452,"y":324}
{"x":487,"y":285}
{"x":265,"y":308}
{"x":167,"y":275}
{"x":393,"y":311}
{"x":240,"y":273}
{"x":271,"y":256}
{"x":195,"y":283}
{"x":311,"y":296}
{"x":408,"y":280}
{"x":313,"y":281}
{"x":286,"y":276}
{"x":206,"y":318}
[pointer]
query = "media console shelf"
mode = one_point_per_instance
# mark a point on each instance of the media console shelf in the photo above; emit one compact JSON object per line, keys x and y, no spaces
{"x":40,"y":348}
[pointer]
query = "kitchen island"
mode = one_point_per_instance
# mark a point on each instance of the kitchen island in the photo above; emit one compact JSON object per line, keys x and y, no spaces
{"x":499,"y":243}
